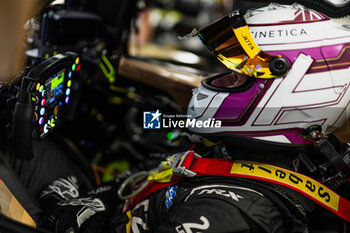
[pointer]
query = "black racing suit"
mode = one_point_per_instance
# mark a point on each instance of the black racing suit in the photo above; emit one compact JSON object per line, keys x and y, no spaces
{"x":200,"y":204}
{"x":203,"y":205}
{"x":197,"y":204}
{"x":216,"y":204}
{"x":227,"y":204}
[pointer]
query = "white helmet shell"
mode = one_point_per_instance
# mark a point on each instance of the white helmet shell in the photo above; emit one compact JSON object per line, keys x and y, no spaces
{"x":314,"y":92}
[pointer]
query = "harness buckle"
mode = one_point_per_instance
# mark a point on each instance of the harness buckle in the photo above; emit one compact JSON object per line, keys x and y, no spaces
{"x":183,"y":167}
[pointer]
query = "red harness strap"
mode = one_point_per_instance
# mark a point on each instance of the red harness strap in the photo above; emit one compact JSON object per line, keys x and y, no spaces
{"x":192,"y":165}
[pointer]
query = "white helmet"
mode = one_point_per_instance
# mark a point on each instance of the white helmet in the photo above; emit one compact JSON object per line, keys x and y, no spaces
{"x":265,"y":98}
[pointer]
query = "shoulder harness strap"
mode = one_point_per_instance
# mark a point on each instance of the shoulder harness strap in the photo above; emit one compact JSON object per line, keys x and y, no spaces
{"x":191,"y":164}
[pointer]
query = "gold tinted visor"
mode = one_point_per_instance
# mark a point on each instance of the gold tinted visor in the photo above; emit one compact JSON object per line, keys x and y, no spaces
{"x":230,"y":40}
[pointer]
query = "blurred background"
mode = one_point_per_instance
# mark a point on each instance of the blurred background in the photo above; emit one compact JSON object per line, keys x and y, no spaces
{"x":135,"y":56}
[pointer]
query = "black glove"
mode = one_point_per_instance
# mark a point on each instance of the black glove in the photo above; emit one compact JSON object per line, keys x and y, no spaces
{"x":80,"y":214}
{"x":77,"y":215}
{"x":59,"y":190}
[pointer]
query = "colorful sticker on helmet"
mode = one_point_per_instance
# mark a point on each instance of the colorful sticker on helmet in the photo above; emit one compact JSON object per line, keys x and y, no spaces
{"x":246,"y":40}
{"x":169,"y":195}
{"x":294,"y":180}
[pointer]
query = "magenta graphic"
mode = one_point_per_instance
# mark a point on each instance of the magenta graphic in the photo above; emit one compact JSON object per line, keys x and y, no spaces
{"x":236,"y":104}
